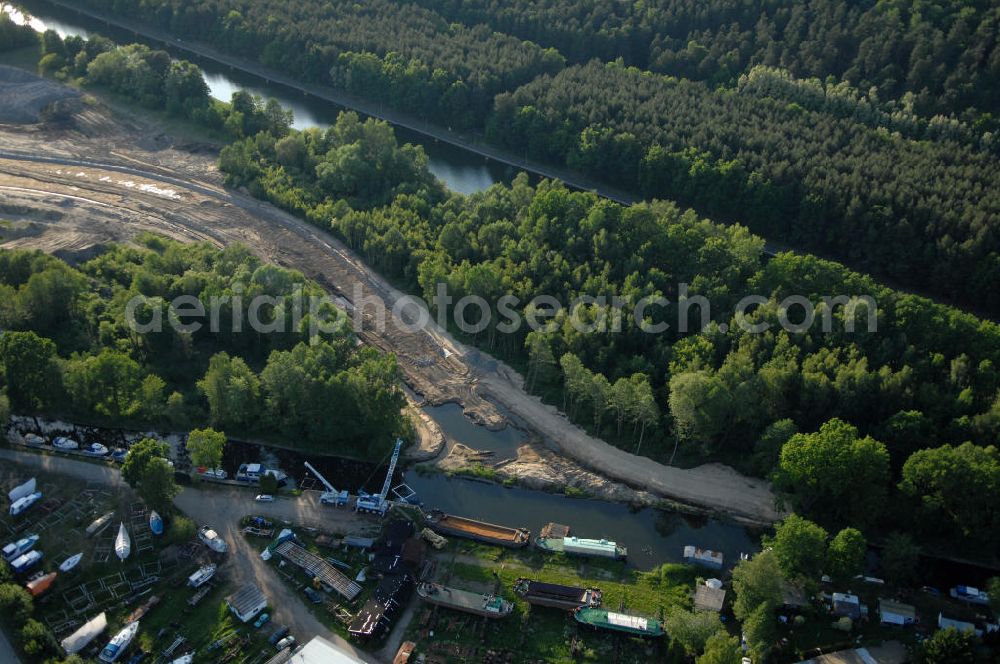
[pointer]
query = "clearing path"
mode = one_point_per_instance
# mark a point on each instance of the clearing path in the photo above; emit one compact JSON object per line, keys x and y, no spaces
{"x":98,"y":195}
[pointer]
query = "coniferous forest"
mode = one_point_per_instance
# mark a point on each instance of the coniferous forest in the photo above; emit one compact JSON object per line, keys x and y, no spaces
{"x":865,"y":131}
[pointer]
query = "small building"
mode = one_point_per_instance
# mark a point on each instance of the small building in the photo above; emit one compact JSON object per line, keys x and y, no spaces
{"x":960,"y":625}
{"x":247,"y":602}
{"x":793,"y":598}
{"x":891,"y":612}
{"x":846,"y":604}
{"x":708,"y":598}
{"x":321,"y":651}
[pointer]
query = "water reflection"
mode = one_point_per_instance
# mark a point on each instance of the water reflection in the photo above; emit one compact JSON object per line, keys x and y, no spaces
{"x":461,"y":171}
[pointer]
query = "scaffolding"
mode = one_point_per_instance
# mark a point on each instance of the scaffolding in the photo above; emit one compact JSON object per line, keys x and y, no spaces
{"x":317,"y":567}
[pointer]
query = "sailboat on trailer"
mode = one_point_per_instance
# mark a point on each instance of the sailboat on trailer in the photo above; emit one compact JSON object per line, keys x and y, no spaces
{"x":123,"y":545}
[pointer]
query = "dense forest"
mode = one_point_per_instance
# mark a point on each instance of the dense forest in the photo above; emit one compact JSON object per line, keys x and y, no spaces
{"x":943,"y":56}
{"x":67,"y":349}
{"x":863,"y":131}
{"x":795,"y":403}
{"x":921,"y":212}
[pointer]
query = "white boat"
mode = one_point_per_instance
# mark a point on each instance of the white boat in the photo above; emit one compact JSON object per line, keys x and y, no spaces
{"x":123,"y":545}
{"x":63,"y":443}
{"x":34,"y":440}
{"x":99,"y":523}
{"x":970,"y":594}
{"x":96,"y":449}
{"x":212,"y":540}
{"x":23,"y":490}
{"x":21,"y":546}
{"x":119,"y":643}
{"x":184,"y":659}
{"x":21,"y":504}
{"x":252,"y":472}
{"x":23,"y":562}
{"x":202,"y":576}
{"x":82,"y":637}
{"x":70,"y":562}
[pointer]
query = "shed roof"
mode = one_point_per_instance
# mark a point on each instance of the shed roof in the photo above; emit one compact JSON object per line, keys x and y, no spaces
{"x":708,"y":599}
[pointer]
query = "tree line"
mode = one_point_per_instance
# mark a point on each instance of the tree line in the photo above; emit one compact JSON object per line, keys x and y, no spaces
{"x":68,"y":350}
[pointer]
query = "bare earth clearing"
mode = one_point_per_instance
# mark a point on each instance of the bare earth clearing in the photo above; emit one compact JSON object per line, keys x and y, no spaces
{"x":69,"y":190}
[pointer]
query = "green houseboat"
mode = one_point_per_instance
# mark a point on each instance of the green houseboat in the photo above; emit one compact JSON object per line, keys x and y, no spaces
{"x":619,"y":622}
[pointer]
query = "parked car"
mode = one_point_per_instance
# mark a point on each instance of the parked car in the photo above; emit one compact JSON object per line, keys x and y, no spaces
{"x":313,"y":596}
{"x":286,"y":642}
{"x":261,"y":620}
{"x":278,"y":634}
{"x":264,"y":498}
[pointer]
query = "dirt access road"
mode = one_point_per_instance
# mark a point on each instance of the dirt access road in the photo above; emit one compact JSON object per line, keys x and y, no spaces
{"x":109,"y":179}
{"x":223,"y":508}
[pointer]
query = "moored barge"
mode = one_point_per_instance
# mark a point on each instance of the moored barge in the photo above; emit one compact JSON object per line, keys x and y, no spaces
{"x":480,"y":531}
{"x":619,"y":622}
{"x":568,"y":598}
{"x":481,"y":604}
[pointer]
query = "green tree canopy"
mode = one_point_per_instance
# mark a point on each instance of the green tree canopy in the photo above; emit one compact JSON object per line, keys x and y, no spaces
{"x":205,"y":447}
{"x":948,"y":646}
{"x":956,"y":489}
{"x":692,"y":629}
{"x":845,"y":557}
{"x":30,"y":370}
{"x":757,"y":582}
{"x":833,"y":474}
{"x":799,"y":545}
{"x":233,"y":392}
{"x":721,"y":648}
{"x":147,"y":471}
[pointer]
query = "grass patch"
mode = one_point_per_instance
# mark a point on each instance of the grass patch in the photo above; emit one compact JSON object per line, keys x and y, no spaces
{"x":533,"y":634}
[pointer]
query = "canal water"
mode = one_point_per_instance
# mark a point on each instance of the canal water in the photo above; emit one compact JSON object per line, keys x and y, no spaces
{"x":460,"y":170}
{"x":652,"y":536}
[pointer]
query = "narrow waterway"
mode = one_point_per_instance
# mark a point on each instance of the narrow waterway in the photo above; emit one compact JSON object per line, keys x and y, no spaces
{"x":460,"y":170}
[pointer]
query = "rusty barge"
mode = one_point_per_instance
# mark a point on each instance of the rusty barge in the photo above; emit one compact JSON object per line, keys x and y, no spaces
{"x":480,"y":531}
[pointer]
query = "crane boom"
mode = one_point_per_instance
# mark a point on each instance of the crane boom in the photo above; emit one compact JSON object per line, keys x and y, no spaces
{"x":378,"y":504}
{"x":392,"y":469}
{"x":331,"y":495}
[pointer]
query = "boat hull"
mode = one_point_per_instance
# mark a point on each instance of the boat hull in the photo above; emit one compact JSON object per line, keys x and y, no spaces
{"x":616,"y":622}
{"x":118,"y":644}
{"x":70,"y":562}
{"x":478,"y":604}
{"x":565,"y":598}
{"x":155,"y":523}
{"x":479,"y":531}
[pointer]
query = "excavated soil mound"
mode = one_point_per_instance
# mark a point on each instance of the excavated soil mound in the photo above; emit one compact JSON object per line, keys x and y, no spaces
{"x":23,"y":96}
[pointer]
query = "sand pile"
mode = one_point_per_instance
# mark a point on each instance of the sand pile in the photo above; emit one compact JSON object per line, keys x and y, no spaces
{"x":23,"y":96}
